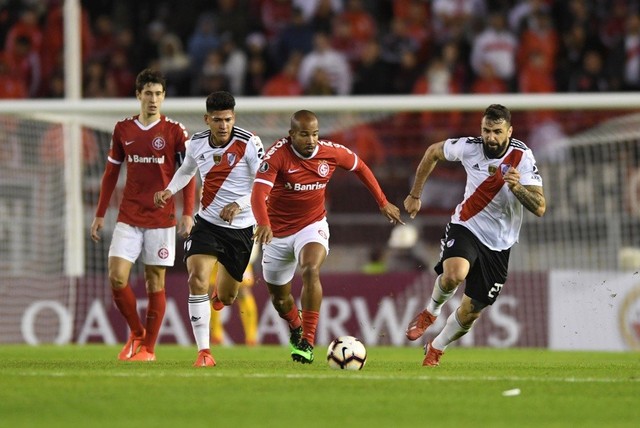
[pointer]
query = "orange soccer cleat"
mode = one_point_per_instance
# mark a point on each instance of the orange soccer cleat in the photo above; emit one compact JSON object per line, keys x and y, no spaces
{"x":132,"y":346}
{"x":216,"y":304}
{"x":433,"y":356}
{"x":143,"y":355}
{"x":420,"y":324}
{"x":205,"y":359}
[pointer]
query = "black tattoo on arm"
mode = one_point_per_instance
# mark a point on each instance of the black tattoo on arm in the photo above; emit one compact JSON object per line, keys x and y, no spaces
{"x":531,"y":197}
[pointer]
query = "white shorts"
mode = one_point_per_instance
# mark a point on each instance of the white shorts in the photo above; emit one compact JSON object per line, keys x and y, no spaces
{"x":280,"y":256}
{"x":155,"y":247}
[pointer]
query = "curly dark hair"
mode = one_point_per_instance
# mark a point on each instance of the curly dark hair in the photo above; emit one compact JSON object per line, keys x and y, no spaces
{"x":149,"y":75}
{"x":220,"y":100}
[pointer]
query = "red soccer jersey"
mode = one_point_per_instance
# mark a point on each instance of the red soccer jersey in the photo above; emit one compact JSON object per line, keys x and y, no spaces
{"x":298,"y":184}
{"x":150,"y":154}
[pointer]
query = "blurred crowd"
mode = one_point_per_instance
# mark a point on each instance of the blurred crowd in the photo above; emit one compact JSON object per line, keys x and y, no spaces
{"x":326,"y":47}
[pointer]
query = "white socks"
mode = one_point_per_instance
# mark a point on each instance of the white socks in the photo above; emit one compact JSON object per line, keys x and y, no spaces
{"x":438,"y":298}
{"x":200,"y":316}
{"x":451,"y":331}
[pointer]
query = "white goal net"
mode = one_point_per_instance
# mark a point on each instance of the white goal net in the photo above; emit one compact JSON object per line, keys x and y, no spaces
{"x":52,"y":156}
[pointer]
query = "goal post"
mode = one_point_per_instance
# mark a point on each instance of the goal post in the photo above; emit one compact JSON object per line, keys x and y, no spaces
{"x":53,"y":152}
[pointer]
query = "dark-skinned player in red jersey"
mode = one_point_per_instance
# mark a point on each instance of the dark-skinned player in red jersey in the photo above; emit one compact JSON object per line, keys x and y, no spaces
{"x":288,"y":201}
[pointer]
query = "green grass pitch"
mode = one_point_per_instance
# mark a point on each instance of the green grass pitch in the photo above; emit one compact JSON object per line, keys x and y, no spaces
{"x":85,"y":386}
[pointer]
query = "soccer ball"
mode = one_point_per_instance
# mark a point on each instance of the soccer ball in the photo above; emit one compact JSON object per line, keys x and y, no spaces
{"x":347,"y":353}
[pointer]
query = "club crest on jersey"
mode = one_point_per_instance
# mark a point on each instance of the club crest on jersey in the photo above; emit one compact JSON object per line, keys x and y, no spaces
{"x":217,"y":159}
{"x":231,"y":158}
{"x":158,"y":143}
{"x":492,"y":169}
{"x":504,"y":168}
{"x":264,"y":167}
{"x":323,"y":169}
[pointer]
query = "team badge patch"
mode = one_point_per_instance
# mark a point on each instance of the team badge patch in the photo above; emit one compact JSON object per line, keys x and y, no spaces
{"x":231,"y":158}
{"x":158,"y":143}
{"x":217,"y":159}
{"x":264,"y":167}
{"x":323,"y":169}
{"x":163,"y":253}
{"x":504,"y":168}
{"x":492,"y":169}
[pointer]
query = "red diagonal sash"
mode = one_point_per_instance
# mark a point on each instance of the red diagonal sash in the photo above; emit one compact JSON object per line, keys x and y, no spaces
{"x":488,"y":189}
{"x":218,"y":174}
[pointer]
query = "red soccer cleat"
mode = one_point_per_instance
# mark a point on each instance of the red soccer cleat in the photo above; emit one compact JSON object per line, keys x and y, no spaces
{"x":432,"y":358}
{"x":143,"y":355}
{"x":131,"y":347}
{"x":215,"y":302}
{"x":420,"y":324}
{"x":205,"y":359}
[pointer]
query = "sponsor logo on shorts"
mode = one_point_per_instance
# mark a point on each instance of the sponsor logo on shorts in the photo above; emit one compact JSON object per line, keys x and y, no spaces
{"x":323,"y":234}
{"x":450,"y":243}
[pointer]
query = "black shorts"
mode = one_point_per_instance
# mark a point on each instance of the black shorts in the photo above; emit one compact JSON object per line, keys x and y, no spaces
{"x":488,"y":271}
{"x":232,"y":247}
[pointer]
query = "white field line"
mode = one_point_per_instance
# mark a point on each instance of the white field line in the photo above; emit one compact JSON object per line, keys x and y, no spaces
{"x":352,"y":376}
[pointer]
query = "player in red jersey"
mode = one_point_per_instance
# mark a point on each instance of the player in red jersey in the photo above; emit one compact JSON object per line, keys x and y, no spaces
{"x":227,"y":158}
{"x":292,"y":224}
{"x":502,"y":180}
{"x":152,"y":147}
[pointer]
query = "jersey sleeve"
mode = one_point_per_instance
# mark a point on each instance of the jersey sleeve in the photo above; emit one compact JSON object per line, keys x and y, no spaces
{"x":255,"y":154}
{"x":529,"y":174}
{"x":185,"y":173}
{"x":189,"y":191}
{"x":454,"y":149}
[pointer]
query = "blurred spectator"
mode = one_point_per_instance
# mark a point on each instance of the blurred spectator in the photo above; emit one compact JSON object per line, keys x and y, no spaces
{"x":275,"y":16}
{"x":235,"y":63}
{"x":487,"y":82}
{"x":352,"y":30}
{"x":232,"y":18}
{"x":625,"y":57}
{"x":297,"y":36}
{"x":438,"y":80}
{"x":212,"y":76}
{"x":456,"y":20}
{"x":319,"y":83}
{"x":396,"y":41}
{"x":355,"y":133}
{"x":104,"y":38}
{"x":27,"y":27}
{"x":203,"y":39}
{"x":540,"y":37}
{"x":256,"y":76}
{"x":522,"y":15}
{"x":418,"y":28}
{"x":286,"y":82}
{"x":12,"y":85}
{"x":452,"y":56}
{"x":590,"y":77}
{"x":96,"y":83}
{"x":174,"y":63}
{"x":120,"y":73}
{"x":319,"y":12}
{"x":24,"y":62}
{"x":574,"y":46}
{"x":53,"y":39}
{"x":495,"y":49}
{"x":334,"y":64}
{"x":148,"y":47}
{"x":371,"y":73}
{"x":404,"y":76}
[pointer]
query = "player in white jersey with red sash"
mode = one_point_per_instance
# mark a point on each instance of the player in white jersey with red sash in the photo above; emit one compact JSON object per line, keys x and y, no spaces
{"x":227,"y":158}
{"x":502,"y":180}
{"x":152,"y":146}
{"x":288,"y":201}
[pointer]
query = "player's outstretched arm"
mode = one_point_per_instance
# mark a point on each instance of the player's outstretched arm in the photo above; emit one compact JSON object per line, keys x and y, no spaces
{"x":432,"y":155}
{"x":392,"y":212}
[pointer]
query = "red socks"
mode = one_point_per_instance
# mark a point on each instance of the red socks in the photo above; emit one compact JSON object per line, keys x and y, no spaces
{"x":125,"y":301}
{"x":292,"y":317}
{"x":155,"y":314}
{"x":309,"y":324}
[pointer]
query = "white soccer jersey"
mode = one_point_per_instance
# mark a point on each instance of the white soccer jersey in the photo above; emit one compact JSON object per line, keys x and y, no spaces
{"x":227,"y":174}
{"x":489,"y":209}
